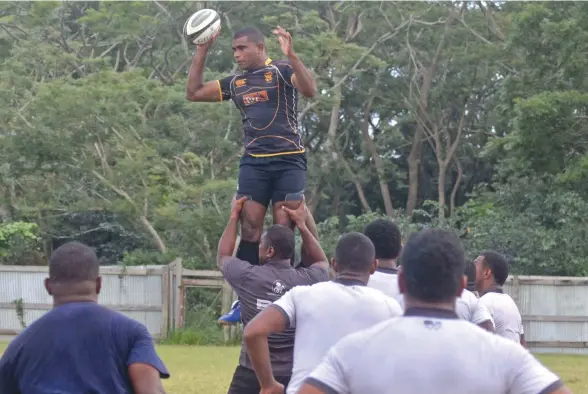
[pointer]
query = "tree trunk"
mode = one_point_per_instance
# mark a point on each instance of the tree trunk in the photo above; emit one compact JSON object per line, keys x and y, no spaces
{"x":332,"y":157}
{"x":441,"y":189}
{"x":414,"y":158}
{"x":376,"y":158}
{"x":455,"y":187}
{"x":158,"y":241}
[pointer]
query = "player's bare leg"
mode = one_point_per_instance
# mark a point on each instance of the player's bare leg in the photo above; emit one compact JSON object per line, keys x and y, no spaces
{"x":281,"y":217}
{"x":252,"y":218}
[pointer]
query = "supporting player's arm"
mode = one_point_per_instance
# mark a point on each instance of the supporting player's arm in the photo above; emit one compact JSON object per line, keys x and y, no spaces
{"x":315,"y":253}
{"x":269,"y":321}
{"x":304,"y":254}
{"x":226,"y":244}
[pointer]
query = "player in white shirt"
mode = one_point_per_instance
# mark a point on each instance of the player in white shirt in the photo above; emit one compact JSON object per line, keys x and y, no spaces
{"x":321,"y":314}
{"x":429,"y":349}
{"x":386,"y":237}
{"x":468,"y":306}
{"x":491,"y":273}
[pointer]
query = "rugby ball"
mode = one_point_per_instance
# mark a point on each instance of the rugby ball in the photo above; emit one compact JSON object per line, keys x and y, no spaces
{"x":202,"y":26}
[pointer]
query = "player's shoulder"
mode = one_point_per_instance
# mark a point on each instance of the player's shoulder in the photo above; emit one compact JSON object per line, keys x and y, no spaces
{"x":281,"y":63}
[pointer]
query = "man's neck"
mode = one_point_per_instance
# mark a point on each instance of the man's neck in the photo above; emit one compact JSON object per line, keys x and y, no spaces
{"x":410,"y":302}
{"x":361,"y":277}
{"x":260,"y":64}
{"x":62,"y":300}
{"x":387,"y":263}
{"x":491,"y":288}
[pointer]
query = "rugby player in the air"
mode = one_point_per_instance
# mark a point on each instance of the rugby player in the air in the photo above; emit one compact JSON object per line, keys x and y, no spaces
{"x":273,"y":167}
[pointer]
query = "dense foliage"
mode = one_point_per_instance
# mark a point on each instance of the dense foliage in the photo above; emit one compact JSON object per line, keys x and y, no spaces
{"x":467,"y":115}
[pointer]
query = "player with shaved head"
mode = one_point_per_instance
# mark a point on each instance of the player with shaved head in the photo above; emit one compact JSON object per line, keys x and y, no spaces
{"x":80,"y":346}
{"x":273,"y":167}
{"x":429,"y":349}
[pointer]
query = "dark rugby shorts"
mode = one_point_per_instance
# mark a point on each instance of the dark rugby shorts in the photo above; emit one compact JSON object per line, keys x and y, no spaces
{"x":275,"y":179}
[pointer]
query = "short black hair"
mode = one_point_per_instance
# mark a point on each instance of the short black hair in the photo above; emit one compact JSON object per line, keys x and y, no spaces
{"x":385,"y":235}
{"x":433,"y":264}
{"x":281,"y":238}
{"x":73,"y":262}
{"x":470,"y":272}
{"x":355,"y":252}
{"x":497,"y":264}
{"x":253,"y":34}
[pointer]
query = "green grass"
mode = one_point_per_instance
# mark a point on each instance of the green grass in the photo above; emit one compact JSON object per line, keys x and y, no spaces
{"x":204,"y":369}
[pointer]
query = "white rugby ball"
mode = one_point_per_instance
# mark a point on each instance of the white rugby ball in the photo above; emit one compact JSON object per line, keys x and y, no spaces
{"x":202,"y":26}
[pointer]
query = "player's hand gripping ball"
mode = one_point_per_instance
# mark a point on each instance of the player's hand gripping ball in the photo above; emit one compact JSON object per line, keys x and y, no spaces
{"x":203,"y":27}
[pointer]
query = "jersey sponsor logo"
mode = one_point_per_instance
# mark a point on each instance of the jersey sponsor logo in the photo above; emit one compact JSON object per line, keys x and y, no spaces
{"x":432,"y":324}
{"x":279,"y":287}
{"x":269,"y":76}
{"x":262,"y":304}
{"x":240,"y":82}
{"x":255,"y":97}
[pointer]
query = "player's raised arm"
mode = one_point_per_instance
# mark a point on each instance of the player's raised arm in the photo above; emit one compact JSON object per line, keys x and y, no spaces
{"x":197,"y":89}
{"x":302,"y":77}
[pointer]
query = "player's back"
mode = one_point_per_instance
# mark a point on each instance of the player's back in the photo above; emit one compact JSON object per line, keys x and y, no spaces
{"x":79,"y":347}
{"x":416,"y":354}
{"x":328,"y":311}
{"x":507,"y":318}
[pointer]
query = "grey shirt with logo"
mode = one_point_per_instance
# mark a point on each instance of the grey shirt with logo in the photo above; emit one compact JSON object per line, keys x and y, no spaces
{"x":258,"y":287}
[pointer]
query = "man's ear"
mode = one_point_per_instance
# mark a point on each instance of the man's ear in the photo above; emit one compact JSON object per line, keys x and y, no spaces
{"x":270,"y":252}
{"x":47,"y":283}
{"x":374,"y":266}
{"x":401,"y":281}
{"x":98,"y":284}
{"x":334,"y":264}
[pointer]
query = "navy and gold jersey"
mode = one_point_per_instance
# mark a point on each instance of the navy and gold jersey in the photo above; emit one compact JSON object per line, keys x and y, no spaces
{"x":267,"y":100}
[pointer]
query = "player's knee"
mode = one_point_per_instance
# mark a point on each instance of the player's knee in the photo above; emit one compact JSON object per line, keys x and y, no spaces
{"x":250,"y":230}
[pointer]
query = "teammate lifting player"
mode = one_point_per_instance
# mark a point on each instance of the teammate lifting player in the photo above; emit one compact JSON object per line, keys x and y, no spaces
{"x":273,"y":166}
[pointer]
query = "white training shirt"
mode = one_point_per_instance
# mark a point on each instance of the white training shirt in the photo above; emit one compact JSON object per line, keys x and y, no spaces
{"x":468,"y":307}
{"x":385,"y":280}
{"x":430,"y":351}
{"x":325,"y":312}
{"x":507,"y":318}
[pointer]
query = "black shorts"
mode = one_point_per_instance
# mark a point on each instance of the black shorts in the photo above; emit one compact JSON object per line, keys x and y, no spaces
{"x":245,"y":382}
{"x":275,"y":179}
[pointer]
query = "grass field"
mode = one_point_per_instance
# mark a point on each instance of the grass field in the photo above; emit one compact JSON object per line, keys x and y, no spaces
{"x":200,"y":369}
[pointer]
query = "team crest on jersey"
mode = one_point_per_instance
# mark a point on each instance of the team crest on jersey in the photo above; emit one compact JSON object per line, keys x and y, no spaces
{"x":240,"y":82}
{"x":255,"y":97}
{"x":432,"y":324}
{"x":269,"y":76}
{"x":279,"y":287}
